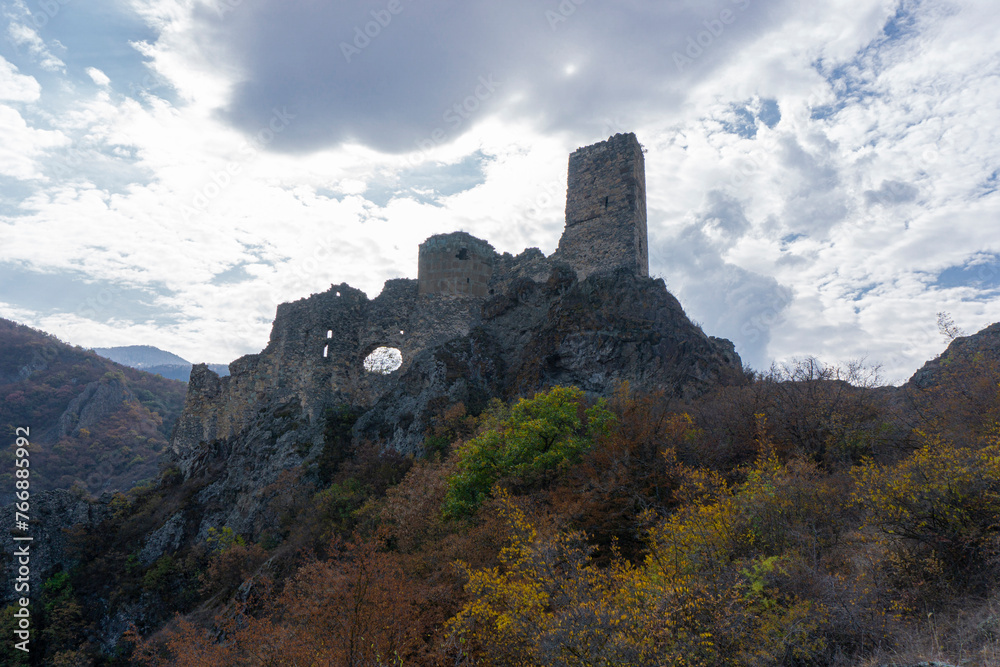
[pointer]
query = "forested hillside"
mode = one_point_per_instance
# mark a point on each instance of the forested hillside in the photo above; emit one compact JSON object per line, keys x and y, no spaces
{"x":810,"y":517}
{"x":95,"y":426}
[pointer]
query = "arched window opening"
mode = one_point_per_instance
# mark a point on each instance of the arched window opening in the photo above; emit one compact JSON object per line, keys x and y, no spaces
{"x":383,"y":360}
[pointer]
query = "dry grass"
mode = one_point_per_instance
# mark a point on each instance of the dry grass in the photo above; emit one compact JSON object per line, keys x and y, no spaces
{"x":965,"y":635}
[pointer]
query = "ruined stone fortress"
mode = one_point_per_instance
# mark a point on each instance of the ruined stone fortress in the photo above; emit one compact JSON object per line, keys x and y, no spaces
{"x":605,"y":226}
{"x":513,"y":323}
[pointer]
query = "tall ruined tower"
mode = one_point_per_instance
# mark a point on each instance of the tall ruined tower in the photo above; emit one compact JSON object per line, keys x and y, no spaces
{"x":606,"y":208}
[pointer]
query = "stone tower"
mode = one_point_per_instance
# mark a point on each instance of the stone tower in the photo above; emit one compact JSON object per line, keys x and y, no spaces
{"x":456,"y":264}
{"x":606,"y":208}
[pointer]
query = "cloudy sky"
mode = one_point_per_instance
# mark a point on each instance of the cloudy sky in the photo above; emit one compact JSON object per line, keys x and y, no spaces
{"x":821,"y":176}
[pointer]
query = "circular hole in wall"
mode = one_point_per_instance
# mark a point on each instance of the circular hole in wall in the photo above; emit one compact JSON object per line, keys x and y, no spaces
{"x":383,"y":360}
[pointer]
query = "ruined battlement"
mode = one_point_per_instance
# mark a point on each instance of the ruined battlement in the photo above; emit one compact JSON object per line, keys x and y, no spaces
{"x":318,"y":346}
{"x":456,"y":264}
{"x":606,"y":208}
{"x":474,"y":317}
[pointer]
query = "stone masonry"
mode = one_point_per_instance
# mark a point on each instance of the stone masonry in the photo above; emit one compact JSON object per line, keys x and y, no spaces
{"x":456,"y":263}
{"x":606,"y":209}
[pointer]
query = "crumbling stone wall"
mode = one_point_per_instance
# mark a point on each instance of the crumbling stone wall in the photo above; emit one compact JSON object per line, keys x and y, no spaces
{"x":531,"y":264}
{"x":606,"y":209}
{"x":315,"y":356}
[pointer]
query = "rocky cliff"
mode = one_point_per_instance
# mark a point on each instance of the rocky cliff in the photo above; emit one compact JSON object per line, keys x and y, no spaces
{"x":269,"y":415}
{"x":979,"y":349}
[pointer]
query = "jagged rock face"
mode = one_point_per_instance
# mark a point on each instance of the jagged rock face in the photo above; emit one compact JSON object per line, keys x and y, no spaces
{"x":976,"y":349}
{"x":267,"y":416}
{"x":98,"y":400}
{"x":52,"y":514}
{"x":594,"y":334}
{"x":599,"y":332}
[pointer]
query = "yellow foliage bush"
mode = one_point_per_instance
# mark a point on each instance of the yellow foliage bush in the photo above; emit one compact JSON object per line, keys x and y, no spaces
{"x":690,"y":603}
{"x":940,"y":505}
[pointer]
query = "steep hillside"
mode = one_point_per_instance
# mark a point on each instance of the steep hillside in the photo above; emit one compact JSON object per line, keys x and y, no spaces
{"x":94,"y":425}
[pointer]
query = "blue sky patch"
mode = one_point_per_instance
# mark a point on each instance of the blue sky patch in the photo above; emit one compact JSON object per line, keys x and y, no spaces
{"x":233,"y":275}
{"x":72,"y":292}
{"x":788,"y":239}
{"x":863,"y":292}
{"x":769,"y":113}
{"x":989,"y":186}
{"x":12,"y":193}
{"x":743,"y":124}
{"x":901,"y":24}
{"x":981,"y":272}
{"x":427,"y":183}
{"x":97,"y":33}
{"x":744,"y":117}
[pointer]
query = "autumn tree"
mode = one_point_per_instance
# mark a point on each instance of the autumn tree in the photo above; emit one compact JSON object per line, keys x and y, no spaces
{"x":939,"y":507}
{"x":527,"y":443}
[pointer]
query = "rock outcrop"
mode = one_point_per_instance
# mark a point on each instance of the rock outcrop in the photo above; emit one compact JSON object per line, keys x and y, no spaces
{"x":976,"y":350}
{"x":97,"y":401}
{"x":53,"y":514}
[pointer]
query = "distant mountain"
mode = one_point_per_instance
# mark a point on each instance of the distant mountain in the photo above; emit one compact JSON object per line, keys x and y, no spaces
{"x":141,"y":356}
{"x":154,"y":360}
{"x":94,"y":424}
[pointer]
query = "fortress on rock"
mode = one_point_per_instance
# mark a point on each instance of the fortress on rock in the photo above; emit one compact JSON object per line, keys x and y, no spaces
{"x":476,"y":323}
{"x":605,"y":226}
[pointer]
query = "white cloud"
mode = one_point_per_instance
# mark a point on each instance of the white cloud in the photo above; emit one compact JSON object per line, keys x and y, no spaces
{"x":24,"y":36}
{"x":22,"y":145}
{"x":16,"y":87}
{"x":98,"y":77}
{"x":819,"y":233}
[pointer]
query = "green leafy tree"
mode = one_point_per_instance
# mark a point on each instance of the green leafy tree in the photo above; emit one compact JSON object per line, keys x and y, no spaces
{"x":528,"y":442}
{"x":64,"y":622}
